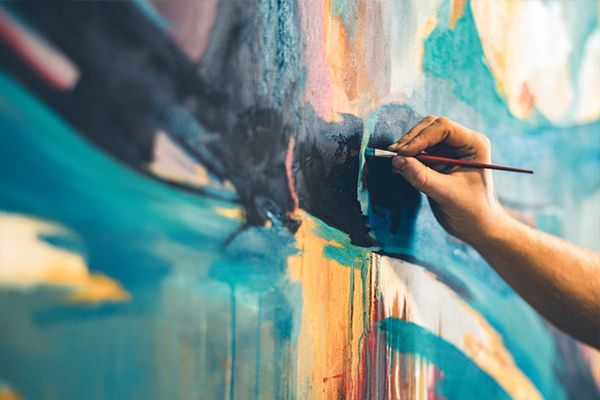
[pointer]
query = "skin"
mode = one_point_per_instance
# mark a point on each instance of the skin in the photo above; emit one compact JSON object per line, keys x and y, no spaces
{"x":557,"y":278}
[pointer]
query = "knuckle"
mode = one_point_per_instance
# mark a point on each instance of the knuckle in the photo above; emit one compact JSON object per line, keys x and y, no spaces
{"x":430,"y":118}
{"x":443,"y":121}
{"x":420,"y":179}
{"x":483,"y":140}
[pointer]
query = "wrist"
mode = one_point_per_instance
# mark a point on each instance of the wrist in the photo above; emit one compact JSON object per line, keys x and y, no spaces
{"x":492,"y":227}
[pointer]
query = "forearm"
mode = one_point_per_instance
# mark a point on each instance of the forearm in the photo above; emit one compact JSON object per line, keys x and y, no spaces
{"x":560,"y":280}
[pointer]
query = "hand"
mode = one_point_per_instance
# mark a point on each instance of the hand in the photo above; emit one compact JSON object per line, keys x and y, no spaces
{"x":462,"y":199}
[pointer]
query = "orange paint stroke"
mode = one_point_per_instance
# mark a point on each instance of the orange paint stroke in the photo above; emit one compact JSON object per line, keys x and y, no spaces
{"x":332,"y":316}
{"x":458,"y":10}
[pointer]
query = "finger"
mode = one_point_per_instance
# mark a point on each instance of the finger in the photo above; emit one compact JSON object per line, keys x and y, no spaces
{"x":414,"y":131}
{"x":461,"y":140}
{"x":421,"y":177}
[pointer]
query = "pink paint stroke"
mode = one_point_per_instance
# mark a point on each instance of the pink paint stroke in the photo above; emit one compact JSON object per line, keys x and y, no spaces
{"x":319,"y":89}
{"x":289,"y":159}
{"x":52,"y":66}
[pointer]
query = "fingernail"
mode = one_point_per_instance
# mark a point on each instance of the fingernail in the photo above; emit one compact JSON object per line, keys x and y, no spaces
{"x":392,"y":146}
{"x":398,"y":162}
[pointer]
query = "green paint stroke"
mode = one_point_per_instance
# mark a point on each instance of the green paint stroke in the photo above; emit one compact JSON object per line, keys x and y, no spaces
{"x":462,"y":378}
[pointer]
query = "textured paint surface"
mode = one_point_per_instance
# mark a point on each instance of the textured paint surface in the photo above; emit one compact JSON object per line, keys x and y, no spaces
{"x":185,"y":210}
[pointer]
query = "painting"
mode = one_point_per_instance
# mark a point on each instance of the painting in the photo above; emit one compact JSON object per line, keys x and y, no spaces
{"x":186,"y":210}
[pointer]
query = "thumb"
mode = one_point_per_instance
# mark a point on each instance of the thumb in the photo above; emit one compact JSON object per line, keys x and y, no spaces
{"x":420,"y":176}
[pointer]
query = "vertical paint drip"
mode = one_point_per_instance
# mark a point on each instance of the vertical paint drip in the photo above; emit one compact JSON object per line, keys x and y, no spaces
{"x":258,"y":340}
{"x":233,"y":344}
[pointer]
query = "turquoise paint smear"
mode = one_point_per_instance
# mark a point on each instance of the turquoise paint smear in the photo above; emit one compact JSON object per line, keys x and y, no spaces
{"x":163,"y":245}
{"x":368,"y":130}
{"x":462,"y":378}
{"x":346,"y":253}
{"x":148,"y":9}
{"x":456,"y":55}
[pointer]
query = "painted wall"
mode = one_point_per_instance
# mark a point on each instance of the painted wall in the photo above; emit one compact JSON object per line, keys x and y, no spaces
{"x":185,"y":211}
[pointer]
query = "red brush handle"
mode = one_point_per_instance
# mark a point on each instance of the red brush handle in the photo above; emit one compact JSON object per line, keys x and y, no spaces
{"x":429,"y":159}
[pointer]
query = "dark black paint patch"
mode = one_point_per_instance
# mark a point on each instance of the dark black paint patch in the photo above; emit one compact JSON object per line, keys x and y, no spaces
{"x":235,"y":111}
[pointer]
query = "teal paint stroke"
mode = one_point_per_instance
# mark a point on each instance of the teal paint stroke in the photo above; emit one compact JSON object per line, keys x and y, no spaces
{"x":456,"y":55}
{"x":163,"y":245}
{"x":368,"y":130}
{"x":344,"y":251}
{"x":462,"y":379}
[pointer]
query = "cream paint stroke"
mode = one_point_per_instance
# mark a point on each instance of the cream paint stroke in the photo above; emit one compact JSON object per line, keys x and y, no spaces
{"x":434,"y":306}
{"x":409,"y":27}
{"x":527,"y":47}
{"x":588,"y":108}
{"x":26,"y":261}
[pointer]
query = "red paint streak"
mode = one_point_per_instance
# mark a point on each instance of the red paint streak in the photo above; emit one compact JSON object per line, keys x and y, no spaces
{"x":374,"y":380}
{"x":289,"y":158}
{"x":57,"y":70}
{"x":325,"y":379}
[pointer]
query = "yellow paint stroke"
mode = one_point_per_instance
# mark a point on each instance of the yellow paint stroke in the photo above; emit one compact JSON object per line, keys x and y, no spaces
{"x":458,"y":10}
{"x":27,"y":261}
{"x":233,"y":213}
{"x":7,"y":393}
{"x":332,"y":318}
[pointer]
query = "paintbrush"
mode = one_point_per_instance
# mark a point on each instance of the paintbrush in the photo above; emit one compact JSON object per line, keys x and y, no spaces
{"x":431,"y":159}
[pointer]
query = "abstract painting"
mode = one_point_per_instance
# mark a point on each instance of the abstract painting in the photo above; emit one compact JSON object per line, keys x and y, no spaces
{"x":186,"y":210}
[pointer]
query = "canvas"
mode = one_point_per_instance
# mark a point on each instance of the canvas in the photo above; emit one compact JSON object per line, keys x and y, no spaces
{"x":186,"y":210}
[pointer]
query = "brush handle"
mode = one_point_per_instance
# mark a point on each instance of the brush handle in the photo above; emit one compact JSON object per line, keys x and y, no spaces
{"x":430,"y":159}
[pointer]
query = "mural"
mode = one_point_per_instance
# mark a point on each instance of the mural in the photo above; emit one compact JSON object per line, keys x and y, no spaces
{"x":186,"y":211}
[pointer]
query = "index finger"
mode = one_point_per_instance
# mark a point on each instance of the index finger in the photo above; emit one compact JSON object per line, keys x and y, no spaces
{"x":413,"y":132}
{"x":461,"y":140}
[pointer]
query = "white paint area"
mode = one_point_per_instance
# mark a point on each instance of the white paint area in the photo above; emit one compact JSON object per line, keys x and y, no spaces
{"x":410,"y":24}
{"x":588,"y":101}
{"x":411,"y":290}
{"x":527,"y":46}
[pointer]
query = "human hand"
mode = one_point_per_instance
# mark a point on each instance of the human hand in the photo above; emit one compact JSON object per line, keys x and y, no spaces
{"x":462,"y":199}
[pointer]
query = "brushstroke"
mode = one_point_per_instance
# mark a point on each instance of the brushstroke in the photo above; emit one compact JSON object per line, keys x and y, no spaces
{"x":213,"y":165}
{"x":461,"y":379}
{"x":27,"y":260}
